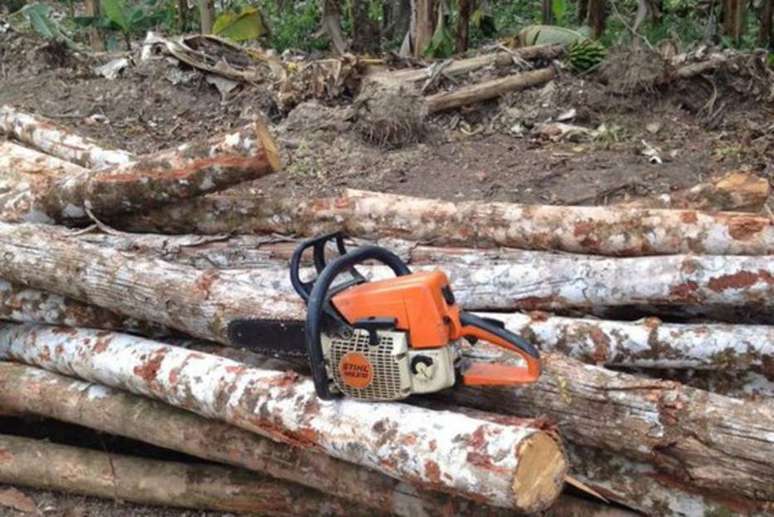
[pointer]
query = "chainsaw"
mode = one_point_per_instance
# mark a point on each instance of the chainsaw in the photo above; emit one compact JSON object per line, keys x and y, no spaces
{"x":389,"y":339}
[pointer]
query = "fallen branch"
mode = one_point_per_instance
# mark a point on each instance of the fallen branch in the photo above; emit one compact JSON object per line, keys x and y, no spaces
{"x":487,"y":90}
{"x":649,"y":343}
{"x":698,"y":438}
{"x":187,"y":171}
{"x":461,"y":67}
{"x":57,"y":141}
{"x":739,"y":191}
{"x":45,"y":465}
{"x":28,"y":390}
{"x":513,"y":466}
{"x":593,"y":230}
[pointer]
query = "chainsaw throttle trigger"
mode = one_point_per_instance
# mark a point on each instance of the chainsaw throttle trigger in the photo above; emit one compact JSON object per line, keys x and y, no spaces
{"x":483,"y":374}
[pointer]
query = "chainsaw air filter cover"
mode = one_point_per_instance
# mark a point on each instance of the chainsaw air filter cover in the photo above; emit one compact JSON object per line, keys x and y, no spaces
{"x":387,"y":370}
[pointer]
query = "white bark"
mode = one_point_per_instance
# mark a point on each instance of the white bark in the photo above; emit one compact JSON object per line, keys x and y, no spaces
{"x":57,"y":141}
{"x":649,"y":343}
{"x":514,"y":466}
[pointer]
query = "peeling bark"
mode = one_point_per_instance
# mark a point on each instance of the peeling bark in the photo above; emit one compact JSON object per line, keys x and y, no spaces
{"x":153,"y":180}
{"x":28,"y":390}
{"x":512,"y":466}
{"x":649,"y":343}
{"x":740,"y":191}
{"x":198,"y":302}
{"x":698,"y":438}
{"x":593,"y":230}
{"x":488,"y":90}
{"x":24,"y":305}
{"x":203,"y":302}
{"x":45,"y":465}
{"x":63,"y":143}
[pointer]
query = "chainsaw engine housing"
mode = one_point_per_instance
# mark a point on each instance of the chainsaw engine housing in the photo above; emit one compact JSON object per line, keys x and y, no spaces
{"x":388,"y":369}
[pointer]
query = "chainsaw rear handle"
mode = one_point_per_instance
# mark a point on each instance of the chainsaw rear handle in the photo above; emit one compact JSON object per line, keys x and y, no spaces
{"x":318,"y":299}
{"x":480,"y":328}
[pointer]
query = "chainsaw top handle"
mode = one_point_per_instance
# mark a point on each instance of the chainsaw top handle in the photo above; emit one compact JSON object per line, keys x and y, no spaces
{"x":318,"y":299}
{"x":319,"y":244}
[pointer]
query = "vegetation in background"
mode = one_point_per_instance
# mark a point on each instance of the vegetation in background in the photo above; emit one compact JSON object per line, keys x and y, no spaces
{"x":297,"y":24}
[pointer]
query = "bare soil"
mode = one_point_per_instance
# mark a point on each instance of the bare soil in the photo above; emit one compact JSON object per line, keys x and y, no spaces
{"x":484,"y":152}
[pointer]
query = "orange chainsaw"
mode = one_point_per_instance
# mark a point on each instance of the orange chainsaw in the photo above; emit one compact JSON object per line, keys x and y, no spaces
{"x":389,"y":339}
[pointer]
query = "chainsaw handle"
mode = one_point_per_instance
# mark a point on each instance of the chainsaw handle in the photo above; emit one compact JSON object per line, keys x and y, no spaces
{"x":480,"y":328}
{"x":318,"y":244}
{"x":318,"y":299}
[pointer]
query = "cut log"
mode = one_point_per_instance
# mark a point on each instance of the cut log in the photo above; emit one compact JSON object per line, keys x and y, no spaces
{"x":202,"y":303}
{"x":48,"y":466}
{"x":512,"y":466}
{"x":50,"y":138}
{"x":643,"y":488}
{"x":488,"y":89}
{"x":649,"y":343}
{"x":699,"y":438}
{"x":28,"y":390}
{"x":594,"y":230}
{"x":153,"y":180}
{"x":24,"y":305}
{"x":461,"y":67}
{"x":740,"y":191}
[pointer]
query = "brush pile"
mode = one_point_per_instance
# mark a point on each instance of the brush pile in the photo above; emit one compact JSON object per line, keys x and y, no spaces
{"x":119,"y":275}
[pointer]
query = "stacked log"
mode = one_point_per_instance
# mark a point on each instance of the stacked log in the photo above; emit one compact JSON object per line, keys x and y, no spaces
{"x":668,"y":415}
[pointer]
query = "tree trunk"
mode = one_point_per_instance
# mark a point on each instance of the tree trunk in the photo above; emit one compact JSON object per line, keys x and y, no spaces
{"x":766,"y":31}
{"x":594,"y":230}
{"x":517,"y":466}
{"x":582,"y":11}
{"x":24,"y":305}
{"x":465,"y":9}
{"x":488,"y":89}
{"x":733,"y":19}
{"x":28,"y":390}
{"x":698,"y":438}
{"x":547,"y":12}
{"x":182,"y":16}
{"x":425,"y":15}
{"x":649,"y":343}
{"x":48,"y":466}
{"x":91,"y":9}
{"x":331,"y":22}
{"x":597,"y":17}
{"x":206,"y":15}
{"x":413,"y":77}
{"x":366,"y":37}
{"x":739,"y":191}
{"x":63,"y":143}
{"x":152,"y":180}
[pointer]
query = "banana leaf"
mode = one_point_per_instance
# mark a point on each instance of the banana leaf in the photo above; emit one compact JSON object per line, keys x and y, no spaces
{"x":243,"y":26}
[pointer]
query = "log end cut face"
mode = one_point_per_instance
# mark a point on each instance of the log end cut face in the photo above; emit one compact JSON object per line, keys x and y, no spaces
{"x":540,"y":473}
{"x":269,"y":146}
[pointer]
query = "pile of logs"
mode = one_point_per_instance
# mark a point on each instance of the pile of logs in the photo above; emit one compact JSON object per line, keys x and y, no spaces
{"x":119,"y":275}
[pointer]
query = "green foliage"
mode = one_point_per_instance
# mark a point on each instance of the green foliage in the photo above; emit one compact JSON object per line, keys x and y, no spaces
{"x":38,"y":17}
{"x":442,"y":42}
{"x":294,"y":28}
{"x":548,"y":35}
{"x":245,"y":25}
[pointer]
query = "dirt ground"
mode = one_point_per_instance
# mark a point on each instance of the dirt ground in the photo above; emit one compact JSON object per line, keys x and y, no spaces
{"x":485,"y":152}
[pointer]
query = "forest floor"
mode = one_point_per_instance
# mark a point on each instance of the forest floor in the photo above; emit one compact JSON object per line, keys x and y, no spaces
{"x":485,"y":152}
